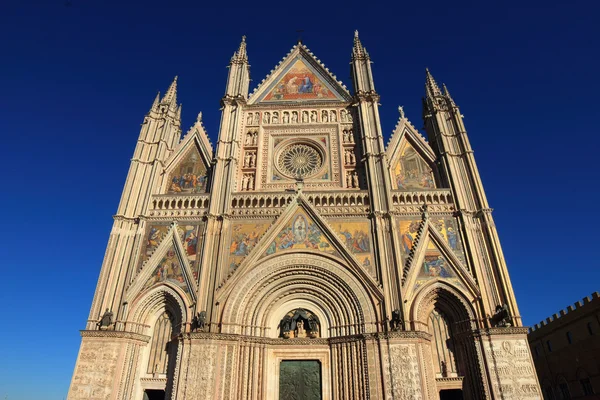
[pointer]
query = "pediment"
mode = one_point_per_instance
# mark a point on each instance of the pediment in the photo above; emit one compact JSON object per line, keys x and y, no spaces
{"x":300,"y":77}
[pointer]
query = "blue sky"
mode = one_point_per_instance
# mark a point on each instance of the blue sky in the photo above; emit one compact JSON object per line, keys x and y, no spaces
{"x":77,"y":78}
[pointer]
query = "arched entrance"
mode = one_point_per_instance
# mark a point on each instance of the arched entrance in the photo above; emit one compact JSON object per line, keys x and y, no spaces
{"x":443,"y":311}
{"x":301,"y":303}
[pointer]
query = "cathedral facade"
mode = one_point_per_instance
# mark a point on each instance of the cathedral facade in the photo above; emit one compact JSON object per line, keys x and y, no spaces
{"x":301,"y":257}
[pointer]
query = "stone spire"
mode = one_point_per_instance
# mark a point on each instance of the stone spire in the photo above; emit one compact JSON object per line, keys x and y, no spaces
{"x":358,"y":51}
{"x":447,"y":94}
{"x":431,"y":87}
{"x":240,"y":56}
{"x":238,"y":79}
{"x":155,"y":103}
{"x":171,"y":95}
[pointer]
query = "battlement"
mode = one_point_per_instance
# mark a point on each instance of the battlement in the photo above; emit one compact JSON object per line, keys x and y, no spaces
{"x":584,"y":303}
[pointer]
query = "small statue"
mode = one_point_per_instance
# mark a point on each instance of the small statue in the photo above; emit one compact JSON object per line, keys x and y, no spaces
{"x":401,"y":111}
{"x":106,"y":320}
{"x":396,"y":322}
{"x":199,"y":117}
{"x":301,"y":331}
{"x":501,"y":318}
{"x":444,"y":369}
{"x":201,"y":324}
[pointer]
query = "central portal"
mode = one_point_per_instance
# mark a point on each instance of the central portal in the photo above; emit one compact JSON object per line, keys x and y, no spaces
{"x":300,"y":380}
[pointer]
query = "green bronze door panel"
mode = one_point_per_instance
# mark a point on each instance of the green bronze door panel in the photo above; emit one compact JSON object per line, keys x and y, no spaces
{"x":300,"y":380}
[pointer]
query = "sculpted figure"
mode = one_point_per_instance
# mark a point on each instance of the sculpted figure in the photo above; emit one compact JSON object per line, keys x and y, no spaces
{"x":324,"y":117}
{"x":202,"y":319}
{"x":333,"y":117}
{"x":355,"y":180}
{"x":294,"y":117}
{"x":313,"y":116}
{"x":396,"y":322}
{"x":106,"y":320}
{"x":305,"y":116}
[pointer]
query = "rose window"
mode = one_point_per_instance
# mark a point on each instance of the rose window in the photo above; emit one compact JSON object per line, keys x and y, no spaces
{"x":300,"y":160}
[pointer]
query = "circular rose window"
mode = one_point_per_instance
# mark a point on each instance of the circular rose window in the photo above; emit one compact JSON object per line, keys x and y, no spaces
{"x":299,"y":160}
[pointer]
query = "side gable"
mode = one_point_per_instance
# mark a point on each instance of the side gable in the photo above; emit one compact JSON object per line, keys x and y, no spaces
{"x":434,"y":260}
{"x":169,"y":264}
{"x":300,"y":77}
{"x":187,"y":169}
{"x":411,"y":159}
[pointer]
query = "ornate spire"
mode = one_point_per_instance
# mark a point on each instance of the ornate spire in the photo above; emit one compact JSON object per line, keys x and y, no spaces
{"x":447,"y":94}
{"x":358,"y":51}
{"x":156,"y":101}
{"x":431,"y":87}
{"x":178,"y":113}
{"x":240,"y":55}
{"x":171,"y":95}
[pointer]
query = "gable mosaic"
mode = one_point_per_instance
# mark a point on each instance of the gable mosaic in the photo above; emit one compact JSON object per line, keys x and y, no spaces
{"x":300,"y":83}
{"x":190,"y":175}
{"x":244,"y":238}
{"x":411,"y":171}
{"x":357,"y":238}
{"x":301,"y":233}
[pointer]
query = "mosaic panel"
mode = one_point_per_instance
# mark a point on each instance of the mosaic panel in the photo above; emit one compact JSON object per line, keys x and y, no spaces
{"x":411,"y":171}
{"x":190,"y":175}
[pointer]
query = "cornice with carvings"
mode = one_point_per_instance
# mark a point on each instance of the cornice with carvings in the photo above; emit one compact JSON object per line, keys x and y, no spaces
{"x":115,"y":335}
{"x":514,"y":330}
{"x":196,"y":336}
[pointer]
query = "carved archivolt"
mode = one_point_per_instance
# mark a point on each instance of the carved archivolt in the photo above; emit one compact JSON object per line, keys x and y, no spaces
{"x":155,"y":300}
{"x":343,"y":304}
{"x":440,"y":294}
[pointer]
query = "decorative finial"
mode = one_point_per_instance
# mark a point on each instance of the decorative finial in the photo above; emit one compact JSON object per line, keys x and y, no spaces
{"x":199,"y":118}
{"x":401,"y":111}
{"x":356,"y":33}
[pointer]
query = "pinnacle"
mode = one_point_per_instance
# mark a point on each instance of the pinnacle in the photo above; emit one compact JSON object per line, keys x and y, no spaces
{"x":171,"y":95}
{"x":431,"y":87}
{"x":358,"y":51}
{"x":240,"y":55}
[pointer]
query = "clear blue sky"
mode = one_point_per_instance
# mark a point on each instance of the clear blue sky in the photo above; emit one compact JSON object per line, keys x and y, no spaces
{"x":76,"y":81}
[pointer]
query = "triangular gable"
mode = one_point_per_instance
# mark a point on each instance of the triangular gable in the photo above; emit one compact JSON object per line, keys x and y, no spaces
{"x":410,"y":170}
{"x":169,"y":264}
{"x":187,"y":173}
{"x":410,"y":234}
{"x":300,"y":229}
{"x":434,"y":260}
{"x":300,"y":233}
{"x":405,"y":131}
{"x":300,"y":77}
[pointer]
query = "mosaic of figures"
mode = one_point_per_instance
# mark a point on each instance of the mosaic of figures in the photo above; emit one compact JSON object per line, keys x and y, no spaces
{"x":298,"y":116}
{"x":189,"y":238}
{"x":300,"y":83}
{"x":244,"y":238}
{"x":168,"y":270}
{"x":355,"y":235}
{"x":411,"y":171}
{"x":446,"y":226}
{"x":189,"y":176}
{"x":301,"y":234}
{"x":434,"y":266}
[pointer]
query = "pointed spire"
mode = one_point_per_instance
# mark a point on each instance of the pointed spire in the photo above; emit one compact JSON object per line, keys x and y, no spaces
{"x":240,"y":55}
{"x":156,"y":101}
{"x":358,"y":51}
{"x":171,"y":95}
{"x":447,"y":94}
{"x":431,"y":87}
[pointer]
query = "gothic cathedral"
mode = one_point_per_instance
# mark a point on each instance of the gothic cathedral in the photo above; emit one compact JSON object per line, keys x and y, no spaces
{"x":301,"y":258}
